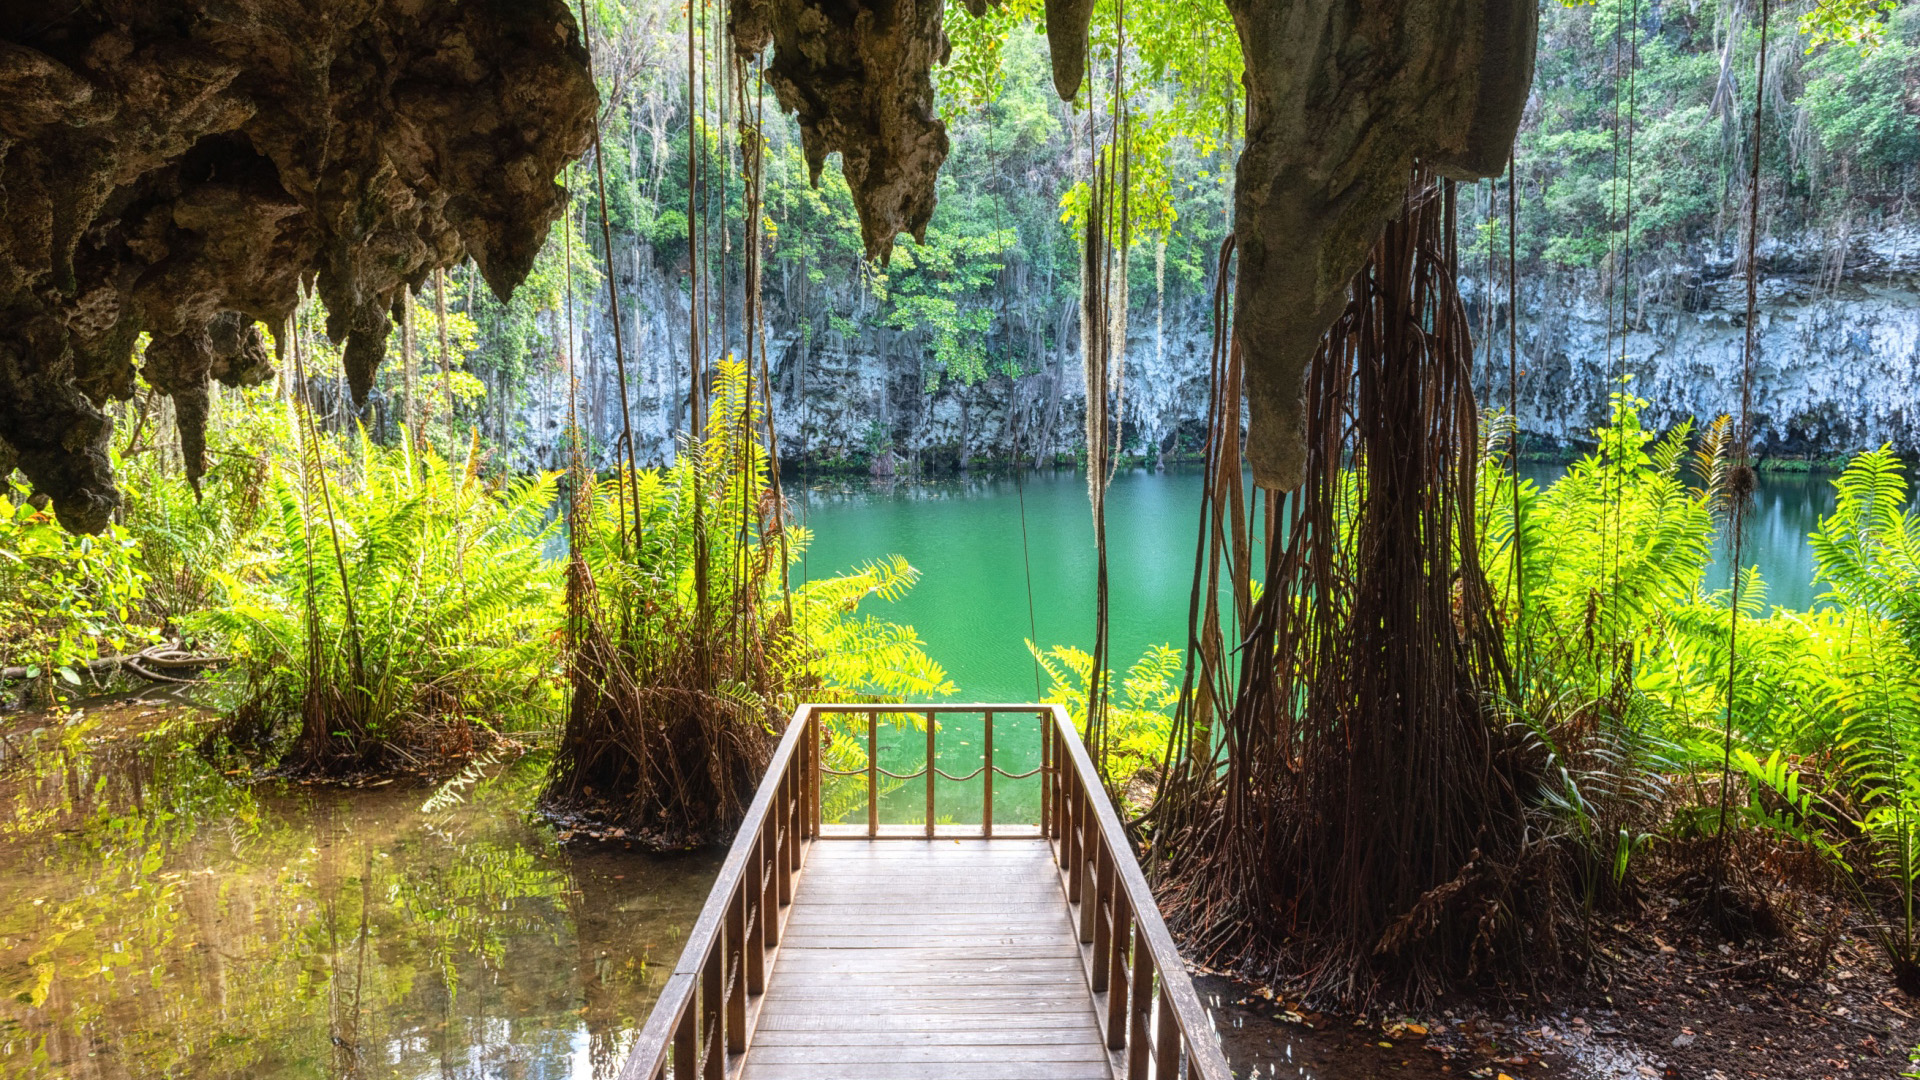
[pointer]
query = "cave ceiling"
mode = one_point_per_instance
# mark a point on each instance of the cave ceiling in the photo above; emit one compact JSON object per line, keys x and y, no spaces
{"x":182,"y":169}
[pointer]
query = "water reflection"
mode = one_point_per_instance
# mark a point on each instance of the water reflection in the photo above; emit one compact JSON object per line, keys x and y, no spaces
{"x":159,"y":920}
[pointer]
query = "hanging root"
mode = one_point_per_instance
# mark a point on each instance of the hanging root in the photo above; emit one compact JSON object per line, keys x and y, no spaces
{"x":677,"y":699}
{"x":1367,"y":837}
{"x":655,"y":742}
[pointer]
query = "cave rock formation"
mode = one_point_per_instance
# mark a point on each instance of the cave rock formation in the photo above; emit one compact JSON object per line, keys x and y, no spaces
{"x":182,"y":169}
{"x":858,"y":75}
{"x":1342,"y":97}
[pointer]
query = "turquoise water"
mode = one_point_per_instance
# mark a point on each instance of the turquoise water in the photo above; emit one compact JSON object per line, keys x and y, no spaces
{"x":966,"y":538}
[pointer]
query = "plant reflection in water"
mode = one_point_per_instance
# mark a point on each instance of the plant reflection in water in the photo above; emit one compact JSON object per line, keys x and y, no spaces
{"x":160,"y":919}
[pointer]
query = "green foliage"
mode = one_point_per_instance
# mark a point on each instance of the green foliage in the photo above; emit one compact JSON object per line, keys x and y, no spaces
{"x":1858,"y":23}
{"x":1639,"y":138}
{"x":865,"y":656}
{"x":1869,"y":548}
{"x":931,"y":287}
{"x":1609,"y":551}
{"x":440,"y":623}
{"x":974,"y":75}
{"x":827,"y":647}
{"x":186,"y":539}
{"x":1860,"y":100}
{"x":688,"y":648}
{"x":1863,"y":689}
{"x":1627,"y":659}
{"x":1139,"y":717}
{"x":66,"y":599}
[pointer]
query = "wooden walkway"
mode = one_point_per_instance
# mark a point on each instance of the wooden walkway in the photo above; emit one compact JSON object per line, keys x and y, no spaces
{"x":990,"y":951}
{"x":929,"y":958}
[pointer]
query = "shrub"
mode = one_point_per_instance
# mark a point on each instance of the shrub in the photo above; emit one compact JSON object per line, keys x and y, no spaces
{"x":406,"y":614}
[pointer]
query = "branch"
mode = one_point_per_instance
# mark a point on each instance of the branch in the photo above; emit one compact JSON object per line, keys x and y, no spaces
{"x":161,"y":656}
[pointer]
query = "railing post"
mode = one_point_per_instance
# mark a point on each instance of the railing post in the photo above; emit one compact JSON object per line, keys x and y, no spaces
{"x":773,"y":871}
{"x":1142,"y":1004}
{"x":813,"y":773}
{"x":931,"y":773}
{"x":1102,"y":930}
{"x":1166,"y":1040}
{"x":1088,"y":865}
{"x":873,"y":775}
{"x":760,"y":863}
{"x":785,"y":849}
{"x":789,"y":817}
{"x":736,"y":967}
{"x":1069,"y":837}
{"x":1047,"y":784}
{"x":1116,"y":962}
{"x":686,"y":1045}
{"x":713,"y":978}
{"x":986,"y":803}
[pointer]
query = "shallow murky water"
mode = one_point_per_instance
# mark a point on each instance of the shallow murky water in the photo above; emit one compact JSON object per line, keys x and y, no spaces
{"x":158,"y":919}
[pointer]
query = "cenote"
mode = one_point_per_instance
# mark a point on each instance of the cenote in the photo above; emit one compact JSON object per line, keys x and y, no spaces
{"x":160,"y":918}
{"x":986,"y":541}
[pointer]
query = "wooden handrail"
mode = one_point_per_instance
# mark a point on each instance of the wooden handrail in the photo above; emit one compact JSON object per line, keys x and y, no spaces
{"x":929,"y":773}
{"x":1131,"y":957}
{"x":724,"y":962}
{"x":1153,"y":1022}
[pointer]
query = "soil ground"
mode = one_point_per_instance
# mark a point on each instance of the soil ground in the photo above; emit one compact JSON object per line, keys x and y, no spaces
{"x":1668,"y":996}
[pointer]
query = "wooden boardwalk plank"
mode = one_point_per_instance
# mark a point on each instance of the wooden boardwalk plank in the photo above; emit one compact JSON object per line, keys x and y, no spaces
{"x":934,"y":1071}
{"x":938,"y":960}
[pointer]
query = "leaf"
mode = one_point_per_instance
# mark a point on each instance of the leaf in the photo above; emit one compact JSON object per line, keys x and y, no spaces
{"x":36,"y":995}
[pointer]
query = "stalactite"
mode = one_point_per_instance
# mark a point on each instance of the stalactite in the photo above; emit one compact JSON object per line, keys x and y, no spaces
{"x":170,"y":166}
{"x":1331,"y":131}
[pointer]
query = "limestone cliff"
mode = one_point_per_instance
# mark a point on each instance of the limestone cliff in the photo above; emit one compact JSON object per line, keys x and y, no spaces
{"x":1838,"y":366}
{"x":1839,"y":369}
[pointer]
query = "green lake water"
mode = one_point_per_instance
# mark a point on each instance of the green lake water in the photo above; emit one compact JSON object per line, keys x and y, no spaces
{"x":982,"y":543}
{"x":986,"y":545}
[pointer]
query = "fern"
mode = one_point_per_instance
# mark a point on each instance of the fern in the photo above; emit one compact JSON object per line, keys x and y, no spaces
{"x":454,"y":598}
{"x":1139,"y":718}
{"x":690,"y":647}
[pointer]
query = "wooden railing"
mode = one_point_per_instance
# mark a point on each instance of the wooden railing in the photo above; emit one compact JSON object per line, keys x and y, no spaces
{"x":1154,"y":1024}
{"x":703,"y":1017}
{"x":931,"y":717}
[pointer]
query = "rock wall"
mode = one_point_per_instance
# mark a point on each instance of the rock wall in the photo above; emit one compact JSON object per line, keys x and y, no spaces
{"x":1838,"y":369}
{"x":845,"y":397}
{"x":184,"y":170}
